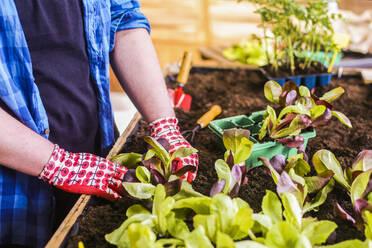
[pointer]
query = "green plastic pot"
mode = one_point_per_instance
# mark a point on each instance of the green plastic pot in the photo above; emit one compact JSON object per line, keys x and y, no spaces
{"x":253,"y":123}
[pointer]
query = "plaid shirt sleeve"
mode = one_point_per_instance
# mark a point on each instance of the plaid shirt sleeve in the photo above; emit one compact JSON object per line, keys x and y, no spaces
{"x":125,"y":14}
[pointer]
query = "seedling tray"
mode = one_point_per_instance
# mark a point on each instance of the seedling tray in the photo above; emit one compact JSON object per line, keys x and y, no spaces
{"x":310,"y":81}
{"x":253,"y":123}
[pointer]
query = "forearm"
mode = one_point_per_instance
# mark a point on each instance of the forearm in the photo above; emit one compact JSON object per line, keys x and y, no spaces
{"x":21,"y":148}
{"x":135,"y":64}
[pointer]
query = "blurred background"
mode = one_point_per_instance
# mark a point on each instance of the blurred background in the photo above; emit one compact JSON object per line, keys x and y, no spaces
{"x":179,"y":25}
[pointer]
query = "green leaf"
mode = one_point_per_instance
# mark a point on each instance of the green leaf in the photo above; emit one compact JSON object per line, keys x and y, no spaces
{"x":282,"y":235}
{"x":143,"y":174}
{"x":272,"y":207}
{"x":263,"y":220}
{"x":344,"y":120}
{"x":129,"y":160}
{"x":294,"y":128}
{"x":209,"y":223}
{"x":317,"y":111}
{"x":300,"y":166}
{"x":320,"y":197}
{"x":118,"y":235}
{"x":332,"y":94}
{"x":241,"y":223}
{"x":274,"y":173}
{"x":319,"y":231}
{"x":368,"y":225}
{"x":200,"y":205}
{"x":161,"y":208}
{"x":197,"y":239}
{"x":249,"y":244}
{"x":223,"y":207}
{"x":136,"y":209}
{"x":359,"y":185}
{"x":223,"y":172}
{"x":139,"y":190}
{"x":150,"y":153}
{"x":140,"y":236}
{"x":262,"y":132}
{"x":324,"y":160}
{"x":347,"y":244}
{"x":363,"y":162}
{"x":183,"y":152}
{"x":224,"y":241}
{"x":186,"y":192}
{"x":176,"y":227}
{"x":297,"y":109}
{"x":304,"y":91}
{"x":237,"y":141}
{"x":272,"y":91}
{"x":292,"y":209}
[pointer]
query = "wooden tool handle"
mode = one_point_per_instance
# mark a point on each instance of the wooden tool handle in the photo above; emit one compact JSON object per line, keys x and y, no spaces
{"x":209,"y":116}
{"x":185,"y":68}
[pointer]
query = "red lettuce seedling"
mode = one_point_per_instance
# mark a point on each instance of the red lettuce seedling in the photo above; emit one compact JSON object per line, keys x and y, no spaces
{"x":157,"y":166}
{"x":290,"y":177}
{"x":231,"y":171}
{"x":296,"y":108}
{"x":356,"y":180}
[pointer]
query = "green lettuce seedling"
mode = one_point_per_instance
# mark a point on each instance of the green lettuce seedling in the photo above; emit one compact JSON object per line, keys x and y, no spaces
{"x":231,"y":171}
{"x":157,"y":166}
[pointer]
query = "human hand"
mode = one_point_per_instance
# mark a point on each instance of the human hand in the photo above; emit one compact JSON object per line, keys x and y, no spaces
{"x":168,"y":129}
{"x":84,"y":173}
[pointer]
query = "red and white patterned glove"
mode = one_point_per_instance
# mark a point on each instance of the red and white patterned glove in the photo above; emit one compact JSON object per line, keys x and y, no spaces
{"x":168,"y":129}
{"x":84,"y":173}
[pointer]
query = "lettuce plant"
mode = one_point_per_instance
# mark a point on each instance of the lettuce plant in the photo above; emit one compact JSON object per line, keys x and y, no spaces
{"x":281,"y":224}
{"x":296,"y":108}
{"x":231,"y":171}
{"x":290,"y":178}
{"x":157,"y":166}
{"x":355,"y":179}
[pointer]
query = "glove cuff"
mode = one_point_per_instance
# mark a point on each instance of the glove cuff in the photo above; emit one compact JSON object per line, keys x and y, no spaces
{"x":53,"y":165}
{"x":166,"y":124}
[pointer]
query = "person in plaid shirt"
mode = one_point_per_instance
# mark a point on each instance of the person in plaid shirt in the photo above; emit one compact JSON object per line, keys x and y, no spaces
{"x":56,"y":119}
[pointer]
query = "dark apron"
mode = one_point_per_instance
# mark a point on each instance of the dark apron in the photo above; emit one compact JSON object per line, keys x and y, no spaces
{"x":54,"y":31}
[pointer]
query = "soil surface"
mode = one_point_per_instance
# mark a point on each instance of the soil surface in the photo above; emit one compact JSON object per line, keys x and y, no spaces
{"x":285,"y":71}
{"x":241,"y":92}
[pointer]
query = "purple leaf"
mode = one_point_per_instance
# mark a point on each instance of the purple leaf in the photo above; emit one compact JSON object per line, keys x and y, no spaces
{"x":305,"y":120}
{"x":164,"y":143}
{"x":130,"y":176}
{"x":285,"y":184}
{"x":217,"y":187}
{"x":151,"y":163}
{"x":183,"y":170}
{"x":292,"y":142}
{"x":360,"y":205}
{"x":236,"y":173}
{"x":158,"y":177}
{"x":230,"y":160}
{"x":245,"y":180}
{"x":323,"y":119}
{"x":363,"y":161}
{"x":278,"y":162}
{"x":340,"y":212}
{"x":290,"y":98}
{"x":173,"y":187}
{"x":235,"y":190}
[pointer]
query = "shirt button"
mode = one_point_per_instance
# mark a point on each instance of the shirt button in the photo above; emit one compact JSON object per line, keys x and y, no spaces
{"x":47,"y":131}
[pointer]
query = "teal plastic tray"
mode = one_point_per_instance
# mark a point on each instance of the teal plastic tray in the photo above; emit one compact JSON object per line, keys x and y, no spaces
{"x":253,"y":123}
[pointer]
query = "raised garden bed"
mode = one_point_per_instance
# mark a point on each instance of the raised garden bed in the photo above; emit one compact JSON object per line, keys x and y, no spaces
{"x":241,"y":92}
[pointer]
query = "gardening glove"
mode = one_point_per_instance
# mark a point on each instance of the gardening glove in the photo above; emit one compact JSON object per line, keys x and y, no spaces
{"x":168,"y":129}
{"x":84,"y":173}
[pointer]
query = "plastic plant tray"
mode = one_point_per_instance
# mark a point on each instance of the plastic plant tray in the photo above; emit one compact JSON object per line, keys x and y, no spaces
{"x":254,"y":123}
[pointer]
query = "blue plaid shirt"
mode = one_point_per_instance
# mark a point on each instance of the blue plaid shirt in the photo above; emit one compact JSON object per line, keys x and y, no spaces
{"x":26,"y":204}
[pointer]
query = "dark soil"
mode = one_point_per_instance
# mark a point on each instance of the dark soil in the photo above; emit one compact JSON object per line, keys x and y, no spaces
{"x":241,"y":92}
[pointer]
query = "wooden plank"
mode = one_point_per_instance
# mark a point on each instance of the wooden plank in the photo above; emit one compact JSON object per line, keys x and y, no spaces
{"x":63,"y":230}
